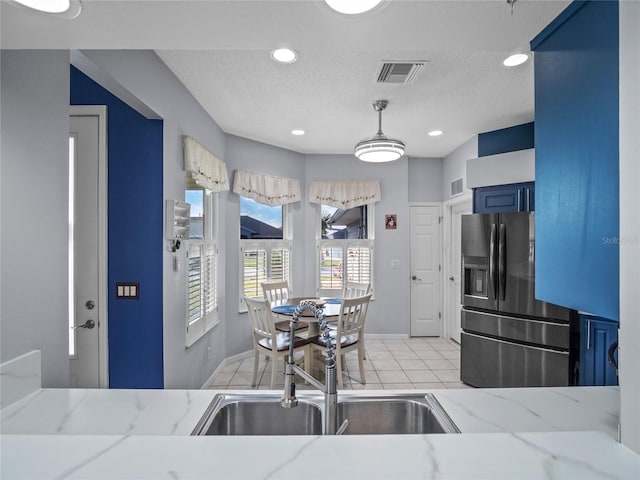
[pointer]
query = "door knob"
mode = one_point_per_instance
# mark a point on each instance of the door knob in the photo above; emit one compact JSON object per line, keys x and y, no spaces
{"x":451,"y":278}
{"x":415,"y":278}
{"x":90,"y":305}
{"x":88,"y":324}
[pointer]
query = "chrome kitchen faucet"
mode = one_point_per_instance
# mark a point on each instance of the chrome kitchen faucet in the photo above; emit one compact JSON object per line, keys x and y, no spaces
{"x":289,"y":399}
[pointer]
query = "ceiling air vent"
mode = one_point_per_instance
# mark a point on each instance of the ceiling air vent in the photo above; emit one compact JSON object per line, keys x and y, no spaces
{"x":400,"y":72}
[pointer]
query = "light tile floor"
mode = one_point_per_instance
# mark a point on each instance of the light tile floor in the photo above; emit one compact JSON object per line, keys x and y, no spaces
{"x":411,"y":363}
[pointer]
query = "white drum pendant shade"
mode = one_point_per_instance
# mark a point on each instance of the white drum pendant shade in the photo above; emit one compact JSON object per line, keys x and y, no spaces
{"x":379,"y":148}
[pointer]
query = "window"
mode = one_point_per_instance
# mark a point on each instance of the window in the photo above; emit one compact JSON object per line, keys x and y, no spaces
{"x":202,"y":263}
{"x":265,"y":245}
{"x":345,"y":248}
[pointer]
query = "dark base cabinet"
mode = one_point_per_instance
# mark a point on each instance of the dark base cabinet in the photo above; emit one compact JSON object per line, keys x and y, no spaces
{"x":514,"y":197}
{"x":596,"y":336}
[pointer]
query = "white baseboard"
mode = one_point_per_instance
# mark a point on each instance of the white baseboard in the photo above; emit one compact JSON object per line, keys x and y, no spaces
{"x":231,"y":359}
{"x":385,"y":336}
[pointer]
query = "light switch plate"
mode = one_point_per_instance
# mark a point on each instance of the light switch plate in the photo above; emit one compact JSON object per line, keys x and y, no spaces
{"x":127,"y":290}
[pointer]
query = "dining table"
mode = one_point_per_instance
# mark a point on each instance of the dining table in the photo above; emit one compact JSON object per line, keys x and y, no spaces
{"x":330,"y":306}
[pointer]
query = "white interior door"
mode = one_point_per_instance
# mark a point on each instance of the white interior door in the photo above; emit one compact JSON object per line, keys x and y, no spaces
{"x":87,"y":250}
{"x":426,"y":318}
{"x":453,"y":287}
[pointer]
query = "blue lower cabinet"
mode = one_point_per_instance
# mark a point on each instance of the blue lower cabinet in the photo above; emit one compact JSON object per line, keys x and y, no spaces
{"x":596,"y":336}
{"x":515,"y":197}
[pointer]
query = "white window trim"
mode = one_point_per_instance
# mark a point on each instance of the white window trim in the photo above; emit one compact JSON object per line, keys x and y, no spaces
{"x":345,"y":244}
{"x":197,"y":329}
{"x":271,"y":244}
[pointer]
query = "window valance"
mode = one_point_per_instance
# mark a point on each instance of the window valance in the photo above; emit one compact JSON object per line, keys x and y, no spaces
{"x":207,"y":170}
{"x":266,"y":189}
{"x":344,"y":194}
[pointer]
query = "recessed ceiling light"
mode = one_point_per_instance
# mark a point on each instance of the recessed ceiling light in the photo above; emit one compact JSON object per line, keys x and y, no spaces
{"x":515,"y":59}
{"x":352,"y":7}
{"x":67,"y":8}
{"x":435,"y":133}
{"x":297,"y":132}
{"x":284,"y":55}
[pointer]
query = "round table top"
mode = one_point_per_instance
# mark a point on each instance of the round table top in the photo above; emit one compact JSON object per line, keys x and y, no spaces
{"x":287,"y":307}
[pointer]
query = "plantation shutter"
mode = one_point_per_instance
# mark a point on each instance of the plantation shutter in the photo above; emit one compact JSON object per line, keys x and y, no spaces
{"x":255,"y":271}
{"x":194,"y":281}
{"x":279,"y":264}
{"x":331,"y":265}
{"x":210,"y":282}
{"x":359,"y":263}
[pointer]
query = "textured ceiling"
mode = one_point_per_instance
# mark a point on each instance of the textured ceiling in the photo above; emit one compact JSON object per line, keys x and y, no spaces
{"x":220,"y":51}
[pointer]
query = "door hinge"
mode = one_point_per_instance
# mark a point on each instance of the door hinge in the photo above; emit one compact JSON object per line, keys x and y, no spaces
{"x":439,"y":268}
{"x":439,"y":315}
{"x":439,"y":220}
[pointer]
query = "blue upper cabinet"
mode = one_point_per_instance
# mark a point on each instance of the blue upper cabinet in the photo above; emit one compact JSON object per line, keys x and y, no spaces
{"x":515,"y":197}
{"x":577,"y":175}
{"x":510,"y":139}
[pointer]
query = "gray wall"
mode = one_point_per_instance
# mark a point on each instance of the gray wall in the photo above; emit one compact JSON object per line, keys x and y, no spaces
{"x":425,"y":179}
{"x":389,"y":312}
{"x":454,"y":166}
{"x":629,"y":353}
{"x":244,"y":154}
{"x":146,"y":77}
{"x":33,"y":207}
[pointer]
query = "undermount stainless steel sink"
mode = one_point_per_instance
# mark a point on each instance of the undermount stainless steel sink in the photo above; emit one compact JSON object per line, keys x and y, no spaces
{"x":260,"y":413}
{"x":408,"y":415}
{"x":262,"y":416}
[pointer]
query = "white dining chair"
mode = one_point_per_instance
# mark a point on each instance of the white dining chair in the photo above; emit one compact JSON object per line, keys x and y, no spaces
{"x":349,"y":334}
{"x":278,"y":290}
{"x":355,"y":289}
{"x":267,"y":340}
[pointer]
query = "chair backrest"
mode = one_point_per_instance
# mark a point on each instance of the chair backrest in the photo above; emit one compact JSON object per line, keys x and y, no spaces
{"x":355,"y":289}
{"x":261,"y":318}
{"x":353,"y":313}
{"x":276,"y":290}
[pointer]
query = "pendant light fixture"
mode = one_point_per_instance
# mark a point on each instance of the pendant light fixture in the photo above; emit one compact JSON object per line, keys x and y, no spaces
{"x":379,"y":148}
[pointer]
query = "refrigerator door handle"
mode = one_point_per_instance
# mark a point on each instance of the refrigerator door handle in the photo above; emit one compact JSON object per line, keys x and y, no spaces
{"x":502,"y":262}
{"x":492,"y":261}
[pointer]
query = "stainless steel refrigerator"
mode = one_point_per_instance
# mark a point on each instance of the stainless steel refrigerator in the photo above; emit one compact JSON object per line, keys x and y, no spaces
{"x":510,"y":339}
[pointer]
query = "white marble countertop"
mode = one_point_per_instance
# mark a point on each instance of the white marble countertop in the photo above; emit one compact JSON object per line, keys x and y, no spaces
{"x":571,"y":455}
{"x":176,"y":412}
{"x":144,"y":434}
{"x":563,"y":409}
{"x":106,"y":412}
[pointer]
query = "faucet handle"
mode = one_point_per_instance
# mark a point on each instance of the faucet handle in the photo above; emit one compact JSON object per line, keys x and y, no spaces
{"x":343,"y":427}
{"x":289,"y":399}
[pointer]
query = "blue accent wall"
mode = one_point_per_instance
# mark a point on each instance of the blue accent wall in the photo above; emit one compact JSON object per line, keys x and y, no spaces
{"x":577,"y":157}
{"x":511,"y":139}
{"x":135,"y":216}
